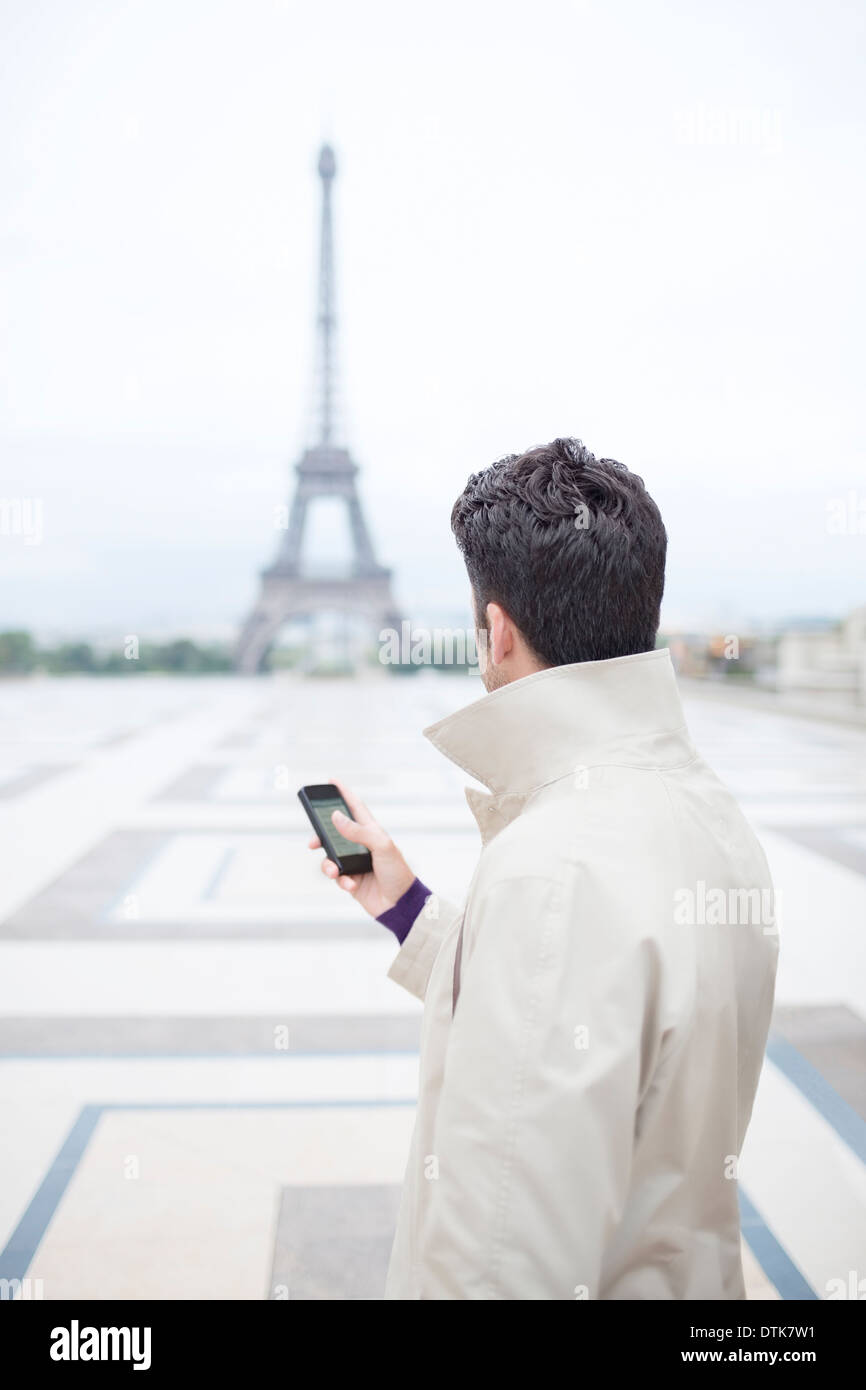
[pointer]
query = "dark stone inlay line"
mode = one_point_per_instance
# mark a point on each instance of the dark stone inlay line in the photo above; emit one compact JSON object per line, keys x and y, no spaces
{"x":833,"y":1038}
{"x":24,"y":1240}
{"x":199,"y":782}
{"x":70,"y":907}
{"x":76,"y":905}
{"x":219,"y":873}
{"x":773,"y":1258}
{"x":849,"y":1126}
{"x":17,"y":1255}
{"x":334,"y":1242}
{"x":265,"y":1036}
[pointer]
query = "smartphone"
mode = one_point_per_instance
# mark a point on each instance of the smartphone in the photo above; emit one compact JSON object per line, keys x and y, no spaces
{"x":320,"y":803}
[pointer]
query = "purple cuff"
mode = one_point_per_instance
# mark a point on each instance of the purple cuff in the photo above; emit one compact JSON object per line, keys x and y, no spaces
{"x":400,"y":917}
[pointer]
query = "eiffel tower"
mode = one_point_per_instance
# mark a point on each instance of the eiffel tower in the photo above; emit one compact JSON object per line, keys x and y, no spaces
{"x":325,"y":470}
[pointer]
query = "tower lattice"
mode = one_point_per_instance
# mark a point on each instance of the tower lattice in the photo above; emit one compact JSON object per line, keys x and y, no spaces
{"x":325,"y":470}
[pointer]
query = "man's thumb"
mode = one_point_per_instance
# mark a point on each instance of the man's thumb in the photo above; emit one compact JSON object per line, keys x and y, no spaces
{"x":367,"y":835}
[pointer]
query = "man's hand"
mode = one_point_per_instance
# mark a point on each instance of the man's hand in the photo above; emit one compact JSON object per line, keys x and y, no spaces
{"x":391,"y":875}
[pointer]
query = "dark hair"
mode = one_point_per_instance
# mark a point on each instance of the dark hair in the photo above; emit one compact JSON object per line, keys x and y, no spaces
{"x":571,"y":546}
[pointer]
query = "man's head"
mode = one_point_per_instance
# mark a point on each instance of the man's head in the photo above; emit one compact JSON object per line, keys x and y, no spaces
{"x":566,"y":558}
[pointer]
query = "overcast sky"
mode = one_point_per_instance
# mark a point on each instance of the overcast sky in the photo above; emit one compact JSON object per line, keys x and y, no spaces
{"x":640,"y":224}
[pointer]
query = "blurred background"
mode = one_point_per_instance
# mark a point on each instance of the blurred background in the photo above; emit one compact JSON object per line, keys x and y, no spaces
{"x":640,"y":226}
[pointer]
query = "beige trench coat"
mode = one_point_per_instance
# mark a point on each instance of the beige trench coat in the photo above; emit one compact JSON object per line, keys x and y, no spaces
{"x":595,"y":1017}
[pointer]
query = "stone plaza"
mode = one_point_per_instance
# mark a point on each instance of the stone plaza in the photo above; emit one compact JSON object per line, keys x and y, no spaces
{"x":206,"y":1079}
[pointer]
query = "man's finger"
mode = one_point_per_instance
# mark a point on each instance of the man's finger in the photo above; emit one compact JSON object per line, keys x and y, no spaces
{"x":363,"y":812}
{"x":329,"y":868}
{"x":349,"y":884}
{"x":315,"y":843}
{"x":370,"y":836}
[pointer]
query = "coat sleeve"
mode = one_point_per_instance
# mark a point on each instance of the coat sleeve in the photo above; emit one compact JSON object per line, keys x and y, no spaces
{"x":414,"y":961}
{"x":536,"y":1119}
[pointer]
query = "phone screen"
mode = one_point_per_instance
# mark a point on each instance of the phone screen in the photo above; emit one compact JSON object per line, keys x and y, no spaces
{"x":324,"y":810}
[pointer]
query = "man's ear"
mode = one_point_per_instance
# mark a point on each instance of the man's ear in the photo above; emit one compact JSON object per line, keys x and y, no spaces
{"x":500,"y":634}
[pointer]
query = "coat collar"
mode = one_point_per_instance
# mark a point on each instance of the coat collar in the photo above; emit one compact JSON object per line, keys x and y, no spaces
{"x":557,"y":721}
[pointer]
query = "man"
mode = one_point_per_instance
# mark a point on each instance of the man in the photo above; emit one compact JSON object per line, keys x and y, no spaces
{"x":592,"y":1039}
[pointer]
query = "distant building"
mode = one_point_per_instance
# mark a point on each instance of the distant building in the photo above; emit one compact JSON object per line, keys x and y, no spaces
{"x":717,"y":656}
{"x":831,"y":660}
